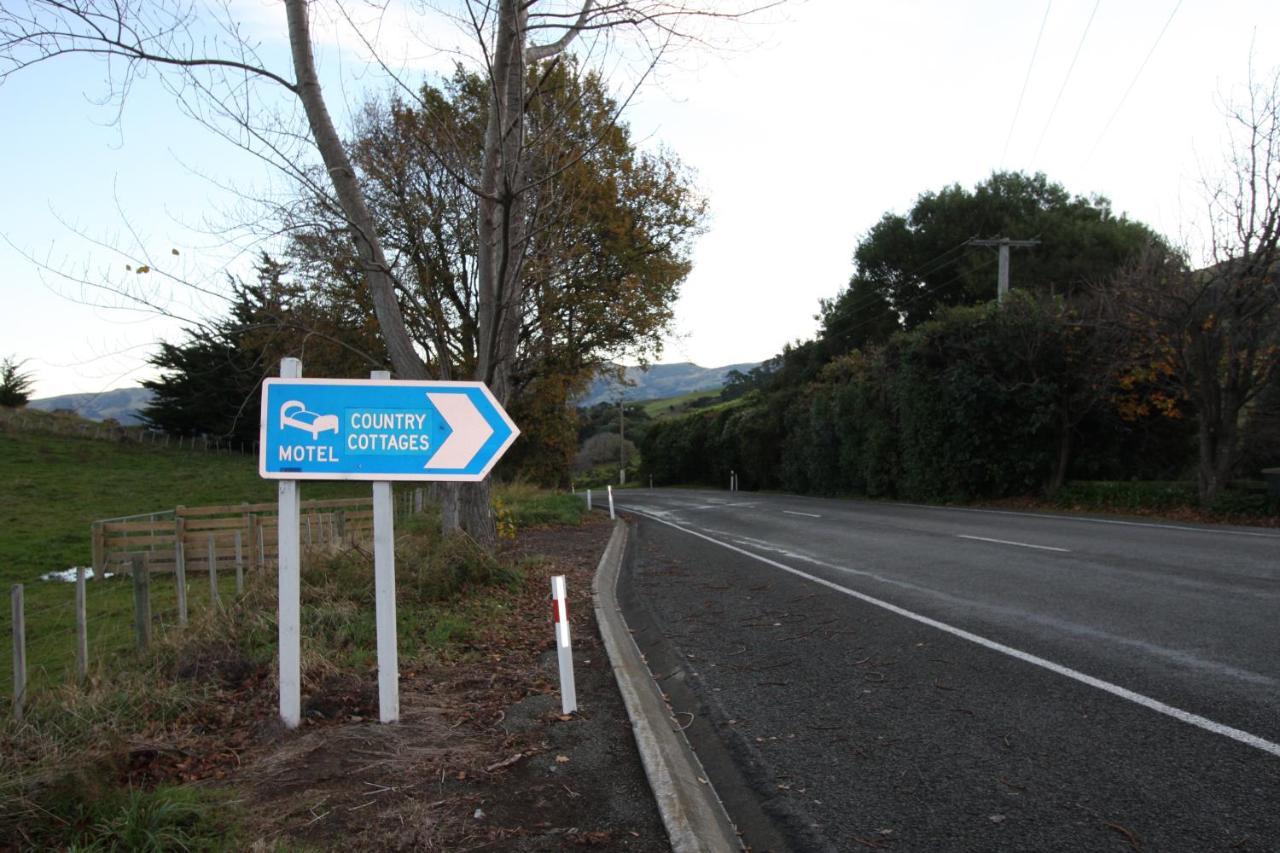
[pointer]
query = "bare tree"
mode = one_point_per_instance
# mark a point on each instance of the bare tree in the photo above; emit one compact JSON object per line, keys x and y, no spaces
{"x":1213,"y":334}
{"x":216,"y":69}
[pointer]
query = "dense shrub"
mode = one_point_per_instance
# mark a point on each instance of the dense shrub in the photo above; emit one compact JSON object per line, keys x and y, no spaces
{"x":985,"y":401}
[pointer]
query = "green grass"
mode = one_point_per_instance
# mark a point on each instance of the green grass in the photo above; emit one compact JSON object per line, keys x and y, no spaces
{"x":670,"y":407}
{"x":527,"y":506}
{"x":53,"y":486}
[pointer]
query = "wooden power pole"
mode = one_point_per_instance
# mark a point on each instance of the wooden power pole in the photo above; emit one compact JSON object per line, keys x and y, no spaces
{"x":1003,"y":244}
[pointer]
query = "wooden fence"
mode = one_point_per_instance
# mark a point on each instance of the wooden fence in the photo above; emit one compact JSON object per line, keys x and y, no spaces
{"x":213,"y":538}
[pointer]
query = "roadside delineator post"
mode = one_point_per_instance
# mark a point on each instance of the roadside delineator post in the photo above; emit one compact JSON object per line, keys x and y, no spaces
{"x":610,"y":488}
{"x":564,"y":651}
{"x":588,"y":500}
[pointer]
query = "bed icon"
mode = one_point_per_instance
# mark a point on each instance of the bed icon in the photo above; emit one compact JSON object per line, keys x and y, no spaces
{"x":294,"y":414}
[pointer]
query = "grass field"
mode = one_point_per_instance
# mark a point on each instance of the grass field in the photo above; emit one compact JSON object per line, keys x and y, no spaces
{"x":669,"y":407}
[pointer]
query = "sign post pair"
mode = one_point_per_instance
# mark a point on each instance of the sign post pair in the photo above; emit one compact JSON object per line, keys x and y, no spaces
{"x":376,"y":430}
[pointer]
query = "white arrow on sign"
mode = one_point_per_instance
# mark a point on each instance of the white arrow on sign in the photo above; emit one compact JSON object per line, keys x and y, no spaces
{"x":470,"y":431}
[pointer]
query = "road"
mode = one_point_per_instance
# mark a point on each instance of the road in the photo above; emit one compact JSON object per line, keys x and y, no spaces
{"x":884,"y":676}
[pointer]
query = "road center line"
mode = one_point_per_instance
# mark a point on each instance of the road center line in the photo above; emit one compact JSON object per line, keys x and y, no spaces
{"x":1106,"y":686}
{"x":1008,"y":542}
{"x":806,"y":514}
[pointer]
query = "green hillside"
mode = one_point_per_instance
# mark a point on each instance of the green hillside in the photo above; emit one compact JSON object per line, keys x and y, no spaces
{"x":53,"y":486}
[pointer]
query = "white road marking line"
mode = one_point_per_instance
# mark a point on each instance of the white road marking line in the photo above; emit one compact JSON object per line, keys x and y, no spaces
{"x":1106,"y":686}
{"x":1009,"y":542}
{"x":1048,"y":516}
{"x":718,"y":506}
{"x":807,"y":514}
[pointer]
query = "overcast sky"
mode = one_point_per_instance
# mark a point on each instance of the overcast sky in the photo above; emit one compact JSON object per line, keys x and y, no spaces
{"x":805,"y":133}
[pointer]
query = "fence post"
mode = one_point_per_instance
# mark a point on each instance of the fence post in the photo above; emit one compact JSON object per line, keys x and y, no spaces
{"x":141,"y":603}
{"x":180,"y":566}
{"x":99,"y":550}
{"x":19,"y":652}
{"x":252,"y":531}
{"x":213,"y":571}
{"x":239,"y":566}
{"x":82,"y":629}
{"x":340,"y":519}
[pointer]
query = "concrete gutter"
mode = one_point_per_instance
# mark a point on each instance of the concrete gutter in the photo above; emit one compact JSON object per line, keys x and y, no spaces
{"x":695,"y":818}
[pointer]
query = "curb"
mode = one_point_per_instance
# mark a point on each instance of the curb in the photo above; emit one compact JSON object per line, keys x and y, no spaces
{"x":695,"y":818}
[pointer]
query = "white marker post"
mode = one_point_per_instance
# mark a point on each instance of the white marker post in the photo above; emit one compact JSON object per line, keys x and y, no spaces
{"x":564,"y":652}
{"x":588,"y":500}
{"x":289,"y":569}
{"x":611,"y":515}
{"x":384,"y":591}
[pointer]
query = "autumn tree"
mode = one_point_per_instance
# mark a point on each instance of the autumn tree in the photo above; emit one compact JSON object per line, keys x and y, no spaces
{"x":1211,"y":335}
{"x":610,"y":234}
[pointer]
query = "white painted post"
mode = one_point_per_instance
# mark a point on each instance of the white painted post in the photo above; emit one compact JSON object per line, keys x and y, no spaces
{"x":239,"y":566}
{"x":610,"y":488}
{"x":384,"y":592}
{"x":588,"y":500}
{"x":564,"y":651}
{"x":19,"y":652}
{"x":290,"y":583}
{"x":82,"y":629}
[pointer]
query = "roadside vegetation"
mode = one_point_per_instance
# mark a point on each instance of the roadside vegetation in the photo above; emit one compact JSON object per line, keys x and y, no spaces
{"x":1114,"y":376}
{"x":107,"y":765}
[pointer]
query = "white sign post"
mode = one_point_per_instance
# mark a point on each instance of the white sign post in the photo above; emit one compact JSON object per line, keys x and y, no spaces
{"x":290,"y":582}
{"x":611,"y":515}
{"x":564,"y":651}
{"x":384,"y":594}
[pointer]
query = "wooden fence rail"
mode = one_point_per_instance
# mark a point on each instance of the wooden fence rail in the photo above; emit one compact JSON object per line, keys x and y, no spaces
{"x":235,"y":537}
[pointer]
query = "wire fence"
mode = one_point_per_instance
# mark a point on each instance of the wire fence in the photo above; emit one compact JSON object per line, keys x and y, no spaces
{"x":82,"y":623}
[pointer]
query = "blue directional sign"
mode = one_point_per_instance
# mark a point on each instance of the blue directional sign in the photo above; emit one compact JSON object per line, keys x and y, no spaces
{"x":356,"y":429}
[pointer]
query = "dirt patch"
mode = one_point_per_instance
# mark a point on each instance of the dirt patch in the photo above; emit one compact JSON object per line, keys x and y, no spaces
{"x":482,"y":758}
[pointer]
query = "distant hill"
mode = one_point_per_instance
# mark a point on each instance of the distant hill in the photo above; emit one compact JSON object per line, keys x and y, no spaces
{"x":122,"y":404}
{"x":662,"y":380}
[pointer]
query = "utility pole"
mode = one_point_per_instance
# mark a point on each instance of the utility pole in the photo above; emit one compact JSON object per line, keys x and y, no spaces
{"x":1003,"y":244}
{"x":622,"y":442}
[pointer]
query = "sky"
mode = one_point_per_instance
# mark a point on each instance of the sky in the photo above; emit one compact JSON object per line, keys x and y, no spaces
{"x":802,"y":129}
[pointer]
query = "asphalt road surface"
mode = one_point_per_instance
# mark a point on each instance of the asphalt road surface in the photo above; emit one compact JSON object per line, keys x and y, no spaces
{"x":861,"y":676}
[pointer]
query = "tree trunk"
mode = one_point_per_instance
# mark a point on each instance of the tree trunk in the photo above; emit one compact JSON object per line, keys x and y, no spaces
{"x":377,"y":273}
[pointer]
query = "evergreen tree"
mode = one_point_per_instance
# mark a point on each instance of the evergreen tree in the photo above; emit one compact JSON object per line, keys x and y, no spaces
{"x":15,"y":386}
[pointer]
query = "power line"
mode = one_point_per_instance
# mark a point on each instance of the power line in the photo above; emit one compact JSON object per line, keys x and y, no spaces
{"x":1134,"y":81}
{"x":926,"y":268}
{"x":1025,"y":81}
{"x":1066,"y":79}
